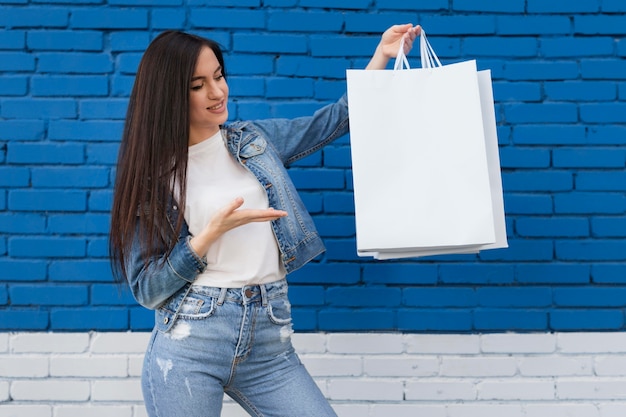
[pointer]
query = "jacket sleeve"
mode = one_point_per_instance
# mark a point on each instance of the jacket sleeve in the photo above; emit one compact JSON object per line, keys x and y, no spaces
{"x":154,"y":281}
{"x":297,"y":138}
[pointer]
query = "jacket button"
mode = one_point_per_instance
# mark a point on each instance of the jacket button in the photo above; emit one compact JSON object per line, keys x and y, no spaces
{"x":166,"y":320}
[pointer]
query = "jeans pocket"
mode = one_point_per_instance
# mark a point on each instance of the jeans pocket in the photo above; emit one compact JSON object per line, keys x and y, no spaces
{"x":279,"y":310}
{"x":197,"y":306}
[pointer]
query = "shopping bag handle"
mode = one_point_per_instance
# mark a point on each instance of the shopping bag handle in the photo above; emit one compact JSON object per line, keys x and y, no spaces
{"x":429,"y":58}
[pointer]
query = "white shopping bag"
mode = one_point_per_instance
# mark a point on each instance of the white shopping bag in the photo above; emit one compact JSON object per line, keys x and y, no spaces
{"x":424,"y":181}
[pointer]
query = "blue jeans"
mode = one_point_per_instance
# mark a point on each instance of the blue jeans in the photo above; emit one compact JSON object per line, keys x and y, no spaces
{"x":233,"y":341}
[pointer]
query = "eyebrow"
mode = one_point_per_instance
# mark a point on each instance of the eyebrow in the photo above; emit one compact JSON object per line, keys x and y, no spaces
{"x":200,"y":77}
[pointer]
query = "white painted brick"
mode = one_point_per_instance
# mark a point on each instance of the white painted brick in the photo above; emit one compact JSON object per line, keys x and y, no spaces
{"x":140,"y":411}
{"x":4,"y":391}
{"x":485,"y":410}
{"x":93,"y":411}
{"x":610,"y":366}
{"x":50,"y":390}
{"x":135,"y":365}
{"x":401,"y":366}
{"x":591,"y":389}
{"x":4,"y":342}
{"x":309,"y":342}
{"x":333,"y":365}
{"x":49,"y":343}
{"x":351,"y":410}
{"x":407,"y":410}
{"x":129,"y":342}
{"x":556,"y":366}
{"x":233,"y":410}
{"x":7,"y":410}
{"x":86,"y":366}
{"x":612,"y":409}
{"x":366,"y":389}
{"x":372,"y":343}
{"x":24,"y":366}
{"x":518,"y":343}
{"x":442,"y":344}
{"x":505,"y":390}
{"x":562,"y":410}
{"x":440,"y":390}
{"x":478,"y":366}
{"x":592,"y":342}
{"x":128,"y":389}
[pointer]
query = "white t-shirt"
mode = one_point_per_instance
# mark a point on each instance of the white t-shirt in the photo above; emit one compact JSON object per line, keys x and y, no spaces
{"x":248,"y":254}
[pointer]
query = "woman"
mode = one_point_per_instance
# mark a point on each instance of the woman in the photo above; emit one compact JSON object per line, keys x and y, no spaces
{"x":205,"y":226}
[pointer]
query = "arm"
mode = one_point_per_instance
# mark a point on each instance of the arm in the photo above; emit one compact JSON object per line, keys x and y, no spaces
{"x":390,"y":44}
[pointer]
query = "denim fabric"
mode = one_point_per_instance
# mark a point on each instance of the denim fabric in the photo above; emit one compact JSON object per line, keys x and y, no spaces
{"x":264,"y":147}
{"x":236,"y":341}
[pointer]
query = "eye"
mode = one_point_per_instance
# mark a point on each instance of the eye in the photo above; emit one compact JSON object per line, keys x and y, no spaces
{"x":197,"y":87}
{"x":219,"y":77}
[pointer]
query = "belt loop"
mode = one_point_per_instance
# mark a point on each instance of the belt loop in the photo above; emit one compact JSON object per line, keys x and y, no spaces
{"x":222,"y":296}
{"x":263,"y":295}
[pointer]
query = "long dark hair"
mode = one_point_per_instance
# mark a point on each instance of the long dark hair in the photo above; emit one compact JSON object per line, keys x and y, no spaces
{"x":153,"y":153}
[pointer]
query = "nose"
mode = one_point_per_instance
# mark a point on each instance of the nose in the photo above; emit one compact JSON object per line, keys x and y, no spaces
{"x":214,"y":92}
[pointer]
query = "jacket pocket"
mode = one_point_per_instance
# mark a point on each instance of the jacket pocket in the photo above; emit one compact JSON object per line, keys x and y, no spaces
{"x":253,"y":148}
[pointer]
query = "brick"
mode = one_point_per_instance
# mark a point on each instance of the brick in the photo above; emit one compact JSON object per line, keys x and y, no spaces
{"x":12,"y":39}
{"x":127,"y":63}
{"x":110,"y":294}
{"x":589,"y":202}
{"x":581,"y":91}
{"x":13,"y":86}
{"x":89,"y":366}
{"x":109,"y":19}
{"x":22,"y":129}
{"x":557,"y":273}
{"x":103,"y":319}
{"x":602,"y":69}
{"x":440,"y":390}
{"x":328,"y":179}
{"x":576,"y":319}
{"x":557,"y":134}
{"x":100,"y":200}
{"x":376,"y":23}
{"x":427,"y":320}
{"x":337,"y":157}
{"x":537,"y":180}
{"x":93,"y":410}
{"x":168,"y":18}
{"x":591,"y":250}
{"x":22,"y":270}
{"x":48,"y":295}
{"x":313,"y":202}
{"x":246,"y":86}
{"x":85,"y":130}
{"x":365,"y":297}
{"x":576,"y":47}
{"x":61,"y":40}
{"x":541,"y":70}
{"x":518,"y":343}
{"x":326,"y":273}
{"x":400,"y":366}
{"x":332,"y":365}
{"x":308,"y":295}
{"x":294,"y":21}
{"x":142,"y":319}
{"x":514,"y":297}
{"x":599,"y":24}
{"x":527,"y":204}
{"x":339,"y":203}
{"x":517,"y":91}
{"x":20,"y":223}
{"x":563,"y":6}
{"x":478,"y":367}
{"x":89,"y":223}
{"x":98,"y":247}
{"x":549,"y":226}
{"x":356,"y":320}
{"x":337,"y":4}
{"x":329,"y":90}
{"x":75,"y":62}
{"x":532,"y":24}
{"x":45,"y":153}
{"x":269,"y":43}
{"x":76,"y":86}
{"x":45,"y":108}
{"x":457,"y":297}
{"x":33,"y":17}
{"x":517,"y":390}
{"x":519,"y":157}
{"x":476,"y":273}
{"x":608,"y":273}
{"x":14,"y":177}
{"x":494,"y":319}
{"x":608,"y":227}
{"x":364,"y":389}
{"x":588,"y":158}
{"x":116,"y":343}
{"x":23,"y":319}
{"x":312,"y":67}
{"x":124,"y":41}
{"x":50,"y":390}
{"x":541,"y":113}
{"x":451,"y":25}
{"x":589,"y":297}
{"x":494,"y":46}
{"x":289,"y":87}
{"x":70,"y":177}
{"x":601,"y":181}
{"x":24,"y":410}
{"x":50,"y":200}
{"x":47,"y":247}
{"x":335,"y":226}
{"x":227,"y":18}
{"x":602,"y":112}
{"x":121,"y":390}
{"x":90,"y":270}
{"x":386,"y":273}
{"x":609,"y":366}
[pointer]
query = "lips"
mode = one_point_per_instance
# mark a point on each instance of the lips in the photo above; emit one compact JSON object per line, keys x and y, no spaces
{"x":217,"y":107}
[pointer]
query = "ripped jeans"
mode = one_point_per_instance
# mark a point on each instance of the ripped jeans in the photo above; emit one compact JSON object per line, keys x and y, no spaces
{"x":233,"y":341}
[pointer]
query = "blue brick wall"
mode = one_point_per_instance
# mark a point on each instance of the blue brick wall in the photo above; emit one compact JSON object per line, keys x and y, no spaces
{"x":66,"y":71}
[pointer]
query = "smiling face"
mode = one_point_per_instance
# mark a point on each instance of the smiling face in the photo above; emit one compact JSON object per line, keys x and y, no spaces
{"x":208,"y":98}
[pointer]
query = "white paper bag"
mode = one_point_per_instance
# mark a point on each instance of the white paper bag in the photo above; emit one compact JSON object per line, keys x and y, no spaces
{"x":420,"y":165}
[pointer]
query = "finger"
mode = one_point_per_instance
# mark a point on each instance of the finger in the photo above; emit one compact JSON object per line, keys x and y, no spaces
{"x":234,"y":205}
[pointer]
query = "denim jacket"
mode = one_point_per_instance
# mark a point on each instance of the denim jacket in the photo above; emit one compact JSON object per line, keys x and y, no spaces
{"x":265,"y":148}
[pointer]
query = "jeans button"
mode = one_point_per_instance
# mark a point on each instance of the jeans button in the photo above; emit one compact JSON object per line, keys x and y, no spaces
{"x":166,"y":320}
{"x":248,"y":292}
